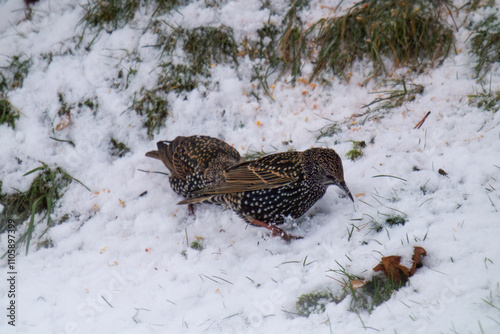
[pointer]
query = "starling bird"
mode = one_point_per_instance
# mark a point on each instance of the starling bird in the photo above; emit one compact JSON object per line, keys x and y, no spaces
{"x":267,"y":190}
{"x":195,"y":162}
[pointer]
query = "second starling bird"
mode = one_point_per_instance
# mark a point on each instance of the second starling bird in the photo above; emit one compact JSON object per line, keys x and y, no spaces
{"x":267,"y":190}
{"x":195,"y":162}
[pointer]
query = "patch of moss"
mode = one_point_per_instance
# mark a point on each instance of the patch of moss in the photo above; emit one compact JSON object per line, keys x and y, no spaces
{"x":41,"y":197}
{"x":177,"y":78}
{"x":411,"y":33}
{"x":485,"y":45}
{"x":264,"y":49}
{"x":204,"y":48}
{"x":329,"y":130}
{"x":314,"y":302}
{"x":12,"y":75}
{"x":113,"y":14}
{"x":477,"y":4}
{"x":91,"y":103}
{"x":375,"y":292}
{"x":390,"y":221}
{"x":154,"y":106}
{"x":376,"y":226}
{"x":209,"y":45}
{"x":265,"y":45}
{"x":366,"y":295}
{"x":65,"y":108}
{"x":485,"y":99}
{"x":395,"y":220}
{"x":357,"y":150}
{"x":118,"y":149}
{"x":8,"y":113}
{"x":197,"y":244}
{"x":292,"y":42}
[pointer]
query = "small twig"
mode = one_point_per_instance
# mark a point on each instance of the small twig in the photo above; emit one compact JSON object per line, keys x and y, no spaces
{"x":106,"y":301}
{"x":148,"y":171}
{"x":396,"y":177}
{"x":137,"y":313}
{"x":329,"y":323}
{"x":225,"y":280}
{"x":288,"y":313}
{"x":287,"y":262}
{"x":419,"y":124}
{"x":427,"y":200}
{"x":63,"y":141}
{"x":232,"y":315}
{"x":202,"y":275}
{"x":493,"y":204}
{"x":451,"y":15}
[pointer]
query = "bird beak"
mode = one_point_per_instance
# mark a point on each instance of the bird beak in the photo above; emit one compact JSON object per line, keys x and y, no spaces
{"x":343,"y":186}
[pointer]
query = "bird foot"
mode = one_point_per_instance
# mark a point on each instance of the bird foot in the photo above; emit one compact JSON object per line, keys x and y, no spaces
{"x":276,"y":231}
{"x":191,"y":209}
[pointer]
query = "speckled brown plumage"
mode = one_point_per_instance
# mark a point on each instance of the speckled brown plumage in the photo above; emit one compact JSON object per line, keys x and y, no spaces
{"x":267,"y":190}
{"x":195,"y":162}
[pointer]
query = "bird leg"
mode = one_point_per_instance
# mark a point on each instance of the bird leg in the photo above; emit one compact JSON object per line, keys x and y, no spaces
{"x":191,"y":209}
{"x":276,"y":231}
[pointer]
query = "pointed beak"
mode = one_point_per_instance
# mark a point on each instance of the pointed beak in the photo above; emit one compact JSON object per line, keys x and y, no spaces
{"x":343,"y":186}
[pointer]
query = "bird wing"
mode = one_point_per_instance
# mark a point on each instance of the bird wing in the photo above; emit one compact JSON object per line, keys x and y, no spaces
{"x":272,"y":171}
{"x":187,"y":155}
{"x":182,"y":155}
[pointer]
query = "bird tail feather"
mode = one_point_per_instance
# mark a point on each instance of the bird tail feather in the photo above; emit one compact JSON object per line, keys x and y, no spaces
{"x":194,"y":200}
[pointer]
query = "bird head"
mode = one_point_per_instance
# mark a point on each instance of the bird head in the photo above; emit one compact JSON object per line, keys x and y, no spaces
{"x":325,"y":167}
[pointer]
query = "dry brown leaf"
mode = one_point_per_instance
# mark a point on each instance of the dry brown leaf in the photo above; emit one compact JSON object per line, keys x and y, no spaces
{"x":393,"y":270}
{"x":65,"y":120}
{"x":357,"y":283}
{"x":418,"y":252}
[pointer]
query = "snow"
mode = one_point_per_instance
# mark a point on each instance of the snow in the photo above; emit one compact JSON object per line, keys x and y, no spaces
{"x":129,"y":269}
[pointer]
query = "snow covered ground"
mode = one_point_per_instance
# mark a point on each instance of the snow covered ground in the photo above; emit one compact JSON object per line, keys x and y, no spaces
{"x":122,"y":263}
